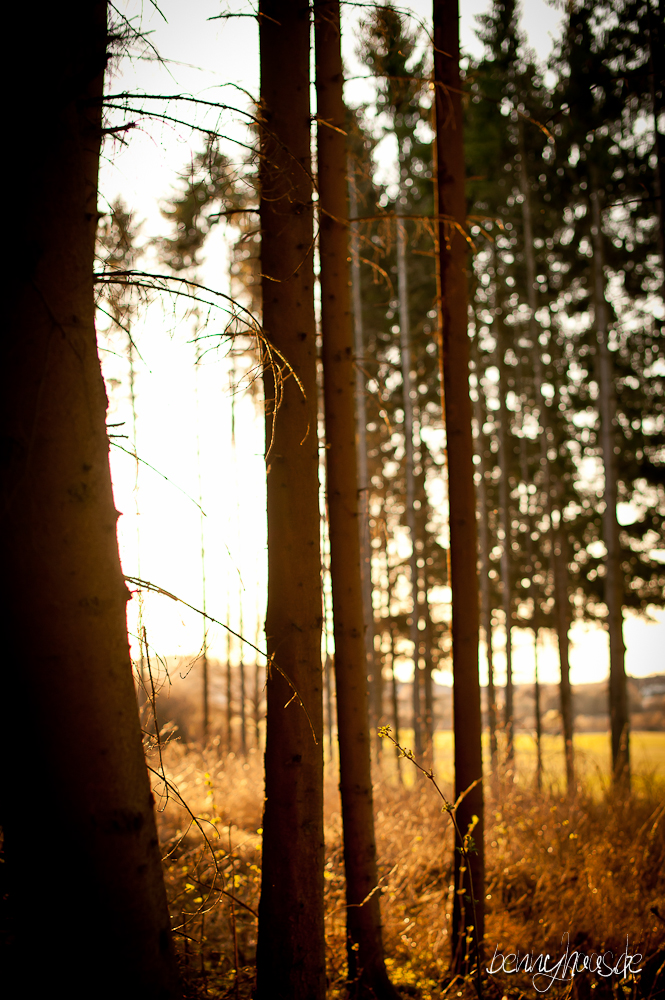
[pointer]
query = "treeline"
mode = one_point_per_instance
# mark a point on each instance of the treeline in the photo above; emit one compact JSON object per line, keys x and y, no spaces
{"x":564,"y":173}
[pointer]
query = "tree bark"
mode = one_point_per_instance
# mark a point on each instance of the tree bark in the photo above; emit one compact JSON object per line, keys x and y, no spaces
{"x":484,"y":551}
{"x":409,"y":492}
{"x":291,"y":942}
{"x":86,"y":891}
{"x":537,"y":712}
{"x":454,"y":349}
{"x":506,"y":524}
{"x":363,"y":471}
{"x":614,"y":585}
{"x":366,"y":969}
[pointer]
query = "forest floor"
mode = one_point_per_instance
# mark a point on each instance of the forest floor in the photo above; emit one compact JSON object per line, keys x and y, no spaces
{"x":588,"y":870}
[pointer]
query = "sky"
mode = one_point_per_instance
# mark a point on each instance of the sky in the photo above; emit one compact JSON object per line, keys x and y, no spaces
{"x":185,"y":412}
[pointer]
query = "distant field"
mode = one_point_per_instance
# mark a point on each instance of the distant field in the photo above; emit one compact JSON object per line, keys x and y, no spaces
{"x":592,"y":758}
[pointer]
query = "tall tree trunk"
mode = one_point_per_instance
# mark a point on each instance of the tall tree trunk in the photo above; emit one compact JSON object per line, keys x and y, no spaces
{"x":394,"y":694}
{"x":291,"y":943}
{"x":229,"y":704}
{"x":505,"y":455}
{"x":82,"y":861}
{"x":361,"y":443}
{"x":484,"y":549}
{"x":241,"y":671}
{"x":452,"y":273}
{"x":537,"y":712}
{"x":409,"y":493}
{"x":366,"y":968}
{"x":257,"y":691}
{"x":614,"y":585}
{"x":562,"y":614}
{"x":556,"y":534}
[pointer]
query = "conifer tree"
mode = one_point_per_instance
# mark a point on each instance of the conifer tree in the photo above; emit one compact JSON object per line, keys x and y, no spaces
{"x":291,"y":942}
{"x":71,"y":684}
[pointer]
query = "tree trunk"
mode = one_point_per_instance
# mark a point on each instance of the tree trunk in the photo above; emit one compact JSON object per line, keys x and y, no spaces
{"x":454,"y":345}
{"x":367,"y":973}
{"x":86,"y":894}
{"x":361,"y":440}
{"x":241,"y":671}
{"x":562,"y":614}
{"x":506,"y":524}
{"x":291,"y":942}
{"x":537,"y":712}
{"x":614,"y":586}
{"x":484,"y":549}
{"x":229,"y":704}
{"x":409,"y":493}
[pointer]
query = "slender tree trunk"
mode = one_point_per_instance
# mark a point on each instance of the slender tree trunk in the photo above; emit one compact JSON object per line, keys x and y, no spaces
{"x":556,"y":534}
{"x":409,"y":495}
{"x":505,"y":455}
{"x":484,"y":548}
{"x":361,"y":443}
{"x":82,"y":861}
{"x":562,"y":612}
{"x":452,"y":259}
{"x":257,"y":692}
{"x":367,"y":971}
{"x":614,"y":585}
{"x":243,"y":704}
{"x":229,"y":704}
{"x":394,"y":694}
{"x":537,"y":712}
{"x":291,"y":942}
{"x":429,"y":687}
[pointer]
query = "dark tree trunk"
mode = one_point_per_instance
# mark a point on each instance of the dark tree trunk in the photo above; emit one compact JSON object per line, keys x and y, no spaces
{"x":505,"y":456}
{"x":614,"y":584}
{"x":452,"y":259}
{"x":367,"y":972}
{"x":409,"y":491}
{"x":537,"y":712}
{"x":363,"y":471}
{"x":484,"y":550}
{"x":85,"y":887}
{"x":291,"y":942}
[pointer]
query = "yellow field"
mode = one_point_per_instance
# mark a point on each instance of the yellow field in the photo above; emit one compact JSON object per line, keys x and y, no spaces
{"x":592,"y":758}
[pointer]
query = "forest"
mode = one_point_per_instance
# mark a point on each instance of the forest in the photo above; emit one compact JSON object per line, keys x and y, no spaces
{"x":339,"y":704}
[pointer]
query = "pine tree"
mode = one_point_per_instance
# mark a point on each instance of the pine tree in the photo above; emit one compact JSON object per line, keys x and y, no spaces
{"x":291,"y":942}
{"x":69,"y":673}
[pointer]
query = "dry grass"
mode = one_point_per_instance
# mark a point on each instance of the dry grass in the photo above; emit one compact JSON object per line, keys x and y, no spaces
{"x":592,"y":866}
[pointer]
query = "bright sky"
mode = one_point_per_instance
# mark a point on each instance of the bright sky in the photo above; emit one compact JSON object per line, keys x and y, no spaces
{"x":185,"y":411}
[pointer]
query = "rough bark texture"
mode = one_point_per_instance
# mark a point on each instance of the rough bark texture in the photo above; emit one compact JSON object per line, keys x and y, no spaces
{"x":614,"y":584}
{"x":457,"y":408}
{"x":367,"y":972}
{"x":86,"y":892}
{"x":290,"y":951}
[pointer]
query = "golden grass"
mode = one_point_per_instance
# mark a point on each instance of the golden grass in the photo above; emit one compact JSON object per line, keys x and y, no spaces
{"x":592,"y":866}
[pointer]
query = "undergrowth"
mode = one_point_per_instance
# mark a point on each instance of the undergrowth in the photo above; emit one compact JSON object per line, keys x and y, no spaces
{"x":589,"y":867}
